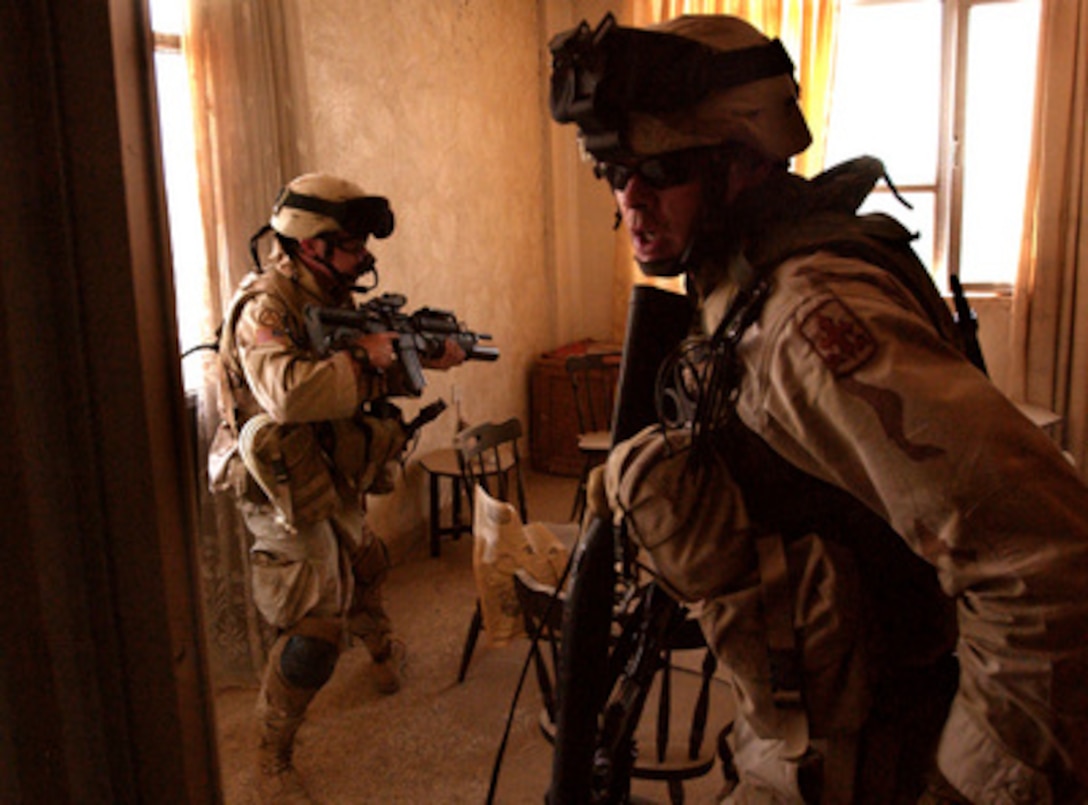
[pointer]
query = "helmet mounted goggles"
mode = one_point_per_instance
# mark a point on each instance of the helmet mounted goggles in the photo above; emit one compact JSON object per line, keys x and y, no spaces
{"x":358,"y":217}
{"x":601,"y":75}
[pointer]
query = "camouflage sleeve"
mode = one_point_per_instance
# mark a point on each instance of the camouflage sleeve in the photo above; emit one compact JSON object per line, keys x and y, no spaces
{"x":690,"y":518}
{"x":288,"y":381}
{"x":849,"y":381}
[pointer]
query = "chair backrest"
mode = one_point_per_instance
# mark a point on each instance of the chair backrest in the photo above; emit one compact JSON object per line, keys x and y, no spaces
{"x":685,"y":711}
{"x":593,"y":380}
{"x":489,"y":456}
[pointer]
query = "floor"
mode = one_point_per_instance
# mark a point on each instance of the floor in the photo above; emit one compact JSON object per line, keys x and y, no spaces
{"x":436,"y":741}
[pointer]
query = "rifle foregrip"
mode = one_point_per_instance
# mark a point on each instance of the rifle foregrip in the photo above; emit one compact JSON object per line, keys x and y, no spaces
{"x":478,"y":353}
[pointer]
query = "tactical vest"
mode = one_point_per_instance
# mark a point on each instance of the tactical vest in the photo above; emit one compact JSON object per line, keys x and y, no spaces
{"x":913,"y":621}
{"x":305,"y":469}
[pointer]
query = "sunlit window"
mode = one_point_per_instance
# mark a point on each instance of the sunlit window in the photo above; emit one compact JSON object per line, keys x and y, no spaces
{"x":943,"y":93}
{"x":179,"y":167}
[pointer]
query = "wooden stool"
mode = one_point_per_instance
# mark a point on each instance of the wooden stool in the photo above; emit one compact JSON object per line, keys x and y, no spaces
{"x":443,"y":464}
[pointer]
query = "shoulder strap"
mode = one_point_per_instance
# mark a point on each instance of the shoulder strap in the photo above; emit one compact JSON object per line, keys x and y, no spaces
{"x":877,"y":239}
{"x":231,"y":376}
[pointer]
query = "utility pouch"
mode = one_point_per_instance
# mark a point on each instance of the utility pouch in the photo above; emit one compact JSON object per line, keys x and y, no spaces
{"x":364,"y":447}
{"x":287,"y":463}
{"x":387,"y":440}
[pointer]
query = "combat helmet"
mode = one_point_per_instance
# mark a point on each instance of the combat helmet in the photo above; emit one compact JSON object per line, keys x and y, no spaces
{"x":318,"y":203}
{"x":697,"y":80}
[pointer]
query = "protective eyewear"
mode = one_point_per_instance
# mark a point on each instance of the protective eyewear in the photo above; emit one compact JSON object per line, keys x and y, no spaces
{"x":659,"y":172}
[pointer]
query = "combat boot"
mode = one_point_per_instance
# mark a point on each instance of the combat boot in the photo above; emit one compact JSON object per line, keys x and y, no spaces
{"x":299,"y":664}
{"x":277,"y":779}
{"x":388,"y":667}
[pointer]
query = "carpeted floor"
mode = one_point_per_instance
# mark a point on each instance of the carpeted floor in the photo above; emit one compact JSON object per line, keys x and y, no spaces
{"x":436,"y":740}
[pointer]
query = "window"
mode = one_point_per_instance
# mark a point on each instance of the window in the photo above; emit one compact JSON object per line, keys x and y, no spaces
{"x":179,"y":168}
{"x":943,"y":93}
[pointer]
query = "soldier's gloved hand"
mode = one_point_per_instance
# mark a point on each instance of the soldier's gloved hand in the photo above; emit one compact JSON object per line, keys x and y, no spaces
{"x":452,"y":355}
{"x":378,"y":350}
{"x":689,"y":515}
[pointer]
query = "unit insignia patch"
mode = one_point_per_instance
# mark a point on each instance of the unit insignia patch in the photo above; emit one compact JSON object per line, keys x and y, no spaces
{"x":838,"y":336}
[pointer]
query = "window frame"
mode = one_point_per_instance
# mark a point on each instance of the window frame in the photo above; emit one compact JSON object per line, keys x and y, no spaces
{"x":948,"y":186}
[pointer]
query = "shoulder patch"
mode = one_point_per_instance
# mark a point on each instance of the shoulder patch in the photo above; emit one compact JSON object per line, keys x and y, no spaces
{"x":270,"y":318}
{"x":271,"y":327}
{"x":838,"y":336}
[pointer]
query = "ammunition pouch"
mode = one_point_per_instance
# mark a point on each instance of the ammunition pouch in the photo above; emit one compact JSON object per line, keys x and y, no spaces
{"x":363,"y":449}
{"x":287,"y":463}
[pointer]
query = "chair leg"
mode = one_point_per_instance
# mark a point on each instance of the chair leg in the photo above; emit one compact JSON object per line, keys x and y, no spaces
{"x":456,"y":508}
{"x":580,"y":494}
{"x":470,"y":641}
{"x":436,"y":527}
{"x":676,"y":792}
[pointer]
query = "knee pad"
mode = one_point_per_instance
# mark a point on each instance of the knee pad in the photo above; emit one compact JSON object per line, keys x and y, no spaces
{"x":308,"y":662}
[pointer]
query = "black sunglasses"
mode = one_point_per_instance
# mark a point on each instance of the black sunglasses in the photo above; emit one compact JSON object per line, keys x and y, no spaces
{"x":660,"y":172}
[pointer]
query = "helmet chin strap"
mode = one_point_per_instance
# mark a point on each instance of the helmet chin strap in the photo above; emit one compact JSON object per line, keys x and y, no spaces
{"x":370,"y":271}
{"x":337,"y":281}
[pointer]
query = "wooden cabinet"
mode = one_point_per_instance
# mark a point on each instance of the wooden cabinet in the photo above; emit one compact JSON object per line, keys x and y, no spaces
{"x":553,"y":428}
{"x":553,"y":423}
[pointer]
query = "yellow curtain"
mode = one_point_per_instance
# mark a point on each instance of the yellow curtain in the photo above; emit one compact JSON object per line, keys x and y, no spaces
{"x":1049,"y":332}
{"x":807,"y":30}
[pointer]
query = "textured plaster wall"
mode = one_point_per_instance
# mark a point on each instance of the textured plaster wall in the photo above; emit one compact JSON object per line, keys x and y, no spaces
{"x":440,"y":105}
{"x":582,"y":208}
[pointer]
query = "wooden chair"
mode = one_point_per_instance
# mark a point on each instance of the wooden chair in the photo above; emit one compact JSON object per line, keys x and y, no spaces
{"x":542,"y":611}
{"x":593,"y":380}
{"x":688,"y":709}
{"x":489,"y":457}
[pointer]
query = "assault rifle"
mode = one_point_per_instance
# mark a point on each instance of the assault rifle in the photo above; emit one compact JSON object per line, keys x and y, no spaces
{"x":420,"y":335}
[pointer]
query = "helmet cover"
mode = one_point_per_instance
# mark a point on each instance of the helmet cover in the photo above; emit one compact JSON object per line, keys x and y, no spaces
{"x":317,"y":203}
{"x":697,"y":80}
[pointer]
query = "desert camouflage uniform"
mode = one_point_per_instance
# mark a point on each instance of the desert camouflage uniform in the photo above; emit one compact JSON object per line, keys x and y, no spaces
{"x":854,"y":403}
{"x":317,"y":568}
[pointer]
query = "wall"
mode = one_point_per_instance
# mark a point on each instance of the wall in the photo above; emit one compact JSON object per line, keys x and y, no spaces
{"x":993,"y":334}
{"x":582,"y":207}
{"x":442,"y":107}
